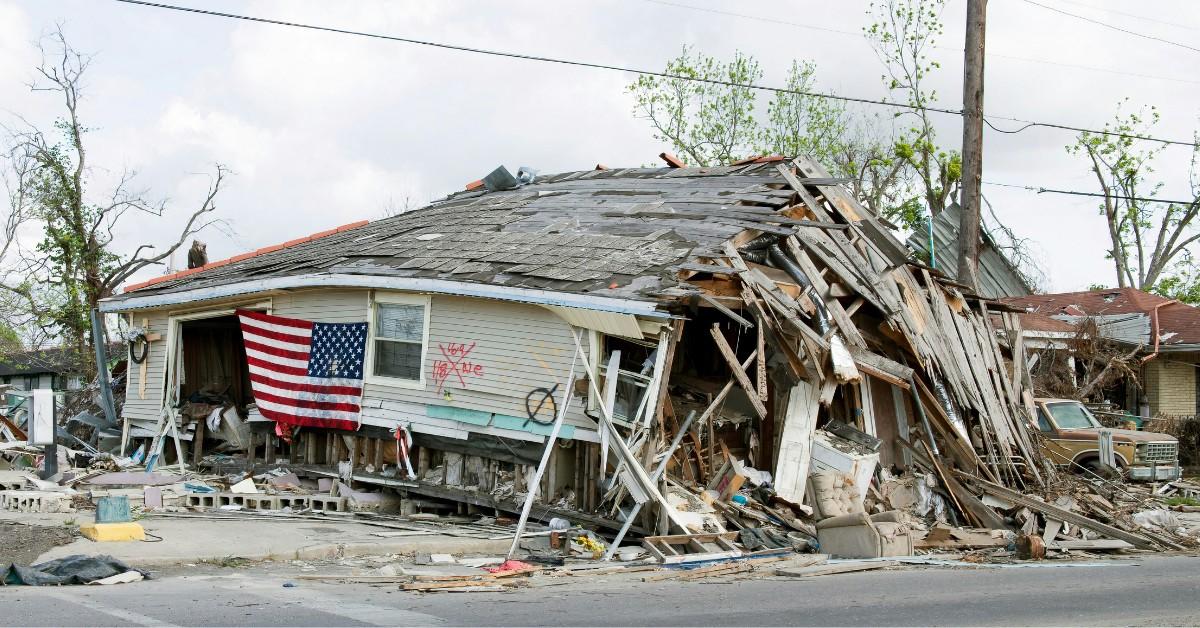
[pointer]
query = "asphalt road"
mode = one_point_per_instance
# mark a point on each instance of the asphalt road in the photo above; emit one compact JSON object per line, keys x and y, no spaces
{"x":1155,"y":591}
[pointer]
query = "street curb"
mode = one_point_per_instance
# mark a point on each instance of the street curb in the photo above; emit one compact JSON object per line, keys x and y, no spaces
{"x":327,"y":551}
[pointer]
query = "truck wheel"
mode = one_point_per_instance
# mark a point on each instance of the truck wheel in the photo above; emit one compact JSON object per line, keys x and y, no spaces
{"x":1094,"y":466}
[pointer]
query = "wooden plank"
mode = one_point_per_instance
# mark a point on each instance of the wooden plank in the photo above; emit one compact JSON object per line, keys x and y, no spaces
{"x":795,"y":441}
{"x":737,"y":318}
{"x":1095,"y":544}
{"x":761,"y":366}
{"x":738,"y":373}
{"x":1058,"y":513}
{"x":827,"y":570}
{"x":724,"y":392}
{"x":430,"y":586}
{"x":707,"y":268}
{"x":1053,"y":527}
{"x":893,"y":369}
{"x":795,"y":367}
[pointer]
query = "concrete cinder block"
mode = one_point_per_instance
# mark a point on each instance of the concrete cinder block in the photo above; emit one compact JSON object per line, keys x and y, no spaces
{"x":12,"y":480}
{"x":332,"y":504}
{"x":35,"y":501}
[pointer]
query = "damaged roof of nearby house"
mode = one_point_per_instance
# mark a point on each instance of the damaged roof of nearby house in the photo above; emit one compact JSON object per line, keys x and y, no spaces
{"x":998,"y":276}
{"x":1124,"y":314}
{"x":1040,"y":322}
{"x":619,"y":233}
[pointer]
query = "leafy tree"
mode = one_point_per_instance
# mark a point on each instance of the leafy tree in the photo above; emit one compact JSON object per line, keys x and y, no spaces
{"x":1183,"y":287}
{"x":1151,"y":241}
{"x":706,"y":124}
{"x":710,"y":124}
{"x":902,"y":33}
{"x":60,"y":279}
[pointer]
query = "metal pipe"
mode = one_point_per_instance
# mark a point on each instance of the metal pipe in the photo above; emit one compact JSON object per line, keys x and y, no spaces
{"x":658,"y":473}
{"x":943,"y":396}
{"x":781,"y":261}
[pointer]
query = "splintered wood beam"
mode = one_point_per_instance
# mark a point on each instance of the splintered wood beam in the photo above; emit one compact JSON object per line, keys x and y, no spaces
{"x":720,"y":398}
{"x":1060,"y":514}
{"x":779,"y":341}
{"x":735,"y":258}
{"x":761,"y":365}
{"x":738,"y":372}
{"x":737,"y":318}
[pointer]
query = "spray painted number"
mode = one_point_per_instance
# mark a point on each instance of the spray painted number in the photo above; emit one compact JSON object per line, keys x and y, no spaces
{"x":455,"y":362}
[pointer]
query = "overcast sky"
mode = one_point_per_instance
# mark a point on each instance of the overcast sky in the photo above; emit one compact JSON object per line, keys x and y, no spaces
{"x":324,"y":129}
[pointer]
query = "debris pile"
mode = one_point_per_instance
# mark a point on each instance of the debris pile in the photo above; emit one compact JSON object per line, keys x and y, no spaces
{"x":891,"y":405}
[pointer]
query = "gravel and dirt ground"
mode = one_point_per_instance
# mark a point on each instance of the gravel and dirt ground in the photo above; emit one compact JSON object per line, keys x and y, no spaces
{"x":21,"y":543}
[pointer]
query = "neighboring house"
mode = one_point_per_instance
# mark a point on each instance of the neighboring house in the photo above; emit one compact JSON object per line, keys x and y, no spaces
{"x":57,"y":369}
{"x":998,"y":276}
{"x":1167,"y":331}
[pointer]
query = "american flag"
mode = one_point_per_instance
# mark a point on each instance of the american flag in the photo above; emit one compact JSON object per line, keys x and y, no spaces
{"x":305,"y":373}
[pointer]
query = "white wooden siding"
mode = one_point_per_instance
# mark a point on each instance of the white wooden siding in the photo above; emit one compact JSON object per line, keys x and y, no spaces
{"x":150,"y":407}
{"x":324,"y":306}
{"x":519,"y":348}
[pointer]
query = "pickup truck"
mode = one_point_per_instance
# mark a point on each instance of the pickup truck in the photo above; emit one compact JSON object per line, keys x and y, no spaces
{"x":1071,"y":438}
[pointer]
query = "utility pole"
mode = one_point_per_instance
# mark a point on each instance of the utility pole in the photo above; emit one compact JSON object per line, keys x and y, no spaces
{"x":972,"y":145}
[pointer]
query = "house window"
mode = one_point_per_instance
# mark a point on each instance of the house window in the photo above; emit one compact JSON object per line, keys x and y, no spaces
{"x":399,"y":331}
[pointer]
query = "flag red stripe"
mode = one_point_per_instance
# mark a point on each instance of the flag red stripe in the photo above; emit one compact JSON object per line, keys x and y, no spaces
{"x":278,"y":368}
{"x":309,"y":388}
{"x":250,"y":330}
{"x":282,"y":353}
{"x":276,"y":320}
{"x":307,"y":403}
{"x":288,"y":419}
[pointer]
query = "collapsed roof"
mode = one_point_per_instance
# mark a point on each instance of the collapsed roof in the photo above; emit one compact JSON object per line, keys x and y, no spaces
{"x":620,"y":233}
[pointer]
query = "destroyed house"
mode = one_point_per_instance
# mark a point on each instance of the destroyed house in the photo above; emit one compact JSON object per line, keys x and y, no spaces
{"x":753,"y":316}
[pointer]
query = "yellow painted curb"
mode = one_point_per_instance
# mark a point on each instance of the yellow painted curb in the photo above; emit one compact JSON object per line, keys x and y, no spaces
{"x":129,"y":531}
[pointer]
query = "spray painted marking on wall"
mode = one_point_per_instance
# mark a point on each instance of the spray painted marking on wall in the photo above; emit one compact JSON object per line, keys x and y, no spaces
{"x":456,"y":362}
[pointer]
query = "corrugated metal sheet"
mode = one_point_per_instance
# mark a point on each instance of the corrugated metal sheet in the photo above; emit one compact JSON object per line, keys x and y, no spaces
{"x":1132,"y":328}
{"x":997,"y":276}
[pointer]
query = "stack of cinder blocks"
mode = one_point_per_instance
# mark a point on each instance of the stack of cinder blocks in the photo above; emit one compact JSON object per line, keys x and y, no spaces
{"x":263,"y":501}
{"x":35,"y":501}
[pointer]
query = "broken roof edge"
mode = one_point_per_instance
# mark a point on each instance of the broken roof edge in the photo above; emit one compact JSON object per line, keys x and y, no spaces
{"x":129,"y":301}
{"x":237,"y":258}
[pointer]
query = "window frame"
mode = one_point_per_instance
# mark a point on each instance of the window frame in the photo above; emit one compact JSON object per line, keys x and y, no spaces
{"x":395,"y":298}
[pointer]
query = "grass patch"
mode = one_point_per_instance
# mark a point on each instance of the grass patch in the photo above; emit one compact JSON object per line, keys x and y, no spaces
{"x":1182,"y":501}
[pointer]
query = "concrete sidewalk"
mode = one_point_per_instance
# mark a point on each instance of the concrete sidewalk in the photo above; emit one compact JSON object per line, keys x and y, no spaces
{"x":194,"y":540}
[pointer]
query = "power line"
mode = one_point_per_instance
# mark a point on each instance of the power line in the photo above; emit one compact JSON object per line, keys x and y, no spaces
{"x":859,"y":35}
{"x":1112,"y":26}
{"x":1041,"y":190}
{"x":1132,"y":15}
{"x":601,"y":66}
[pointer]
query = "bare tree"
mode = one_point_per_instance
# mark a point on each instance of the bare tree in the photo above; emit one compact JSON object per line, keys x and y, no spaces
{"x":64,"y":275}
{"x":1151,"y":240}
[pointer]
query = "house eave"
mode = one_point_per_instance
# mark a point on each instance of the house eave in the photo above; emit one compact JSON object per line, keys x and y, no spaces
{"x":133,"y":301}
